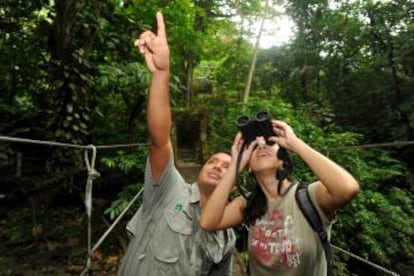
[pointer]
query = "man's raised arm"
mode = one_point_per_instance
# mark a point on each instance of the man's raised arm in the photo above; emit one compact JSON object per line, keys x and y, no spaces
{"x":156,"y":52}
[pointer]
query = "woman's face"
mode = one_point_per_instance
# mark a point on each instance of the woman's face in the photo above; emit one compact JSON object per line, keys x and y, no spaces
{"x":264,"y":157}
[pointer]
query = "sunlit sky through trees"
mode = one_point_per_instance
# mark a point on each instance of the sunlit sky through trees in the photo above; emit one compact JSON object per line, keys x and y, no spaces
{"x":276,"y":32}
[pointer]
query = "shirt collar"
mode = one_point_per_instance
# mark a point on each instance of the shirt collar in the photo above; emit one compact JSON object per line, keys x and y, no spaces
{"x":194,"y":193}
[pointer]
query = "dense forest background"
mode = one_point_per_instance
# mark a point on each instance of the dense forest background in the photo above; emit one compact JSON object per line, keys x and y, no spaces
{"x":69,"y":74}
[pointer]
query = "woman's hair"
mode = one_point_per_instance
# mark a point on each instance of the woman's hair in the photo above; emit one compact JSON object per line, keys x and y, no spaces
{"x":256,"y":205}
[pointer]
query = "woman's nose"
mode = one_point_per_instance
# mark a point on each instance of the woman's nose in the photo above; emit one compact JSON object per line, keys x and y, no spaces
{"x":260,"y":140}
{"x":261,"y":143}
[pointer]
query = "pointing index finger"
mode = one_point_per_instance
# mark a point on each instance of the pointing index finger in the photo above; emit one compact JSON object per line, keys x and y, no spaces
{"x":160,"y":25}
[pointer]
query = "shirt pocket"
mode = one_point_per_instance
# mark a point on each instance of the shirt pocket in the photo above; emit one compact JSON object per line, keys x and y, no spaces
{"x":179,"y":222}
{"x":171,"y":237}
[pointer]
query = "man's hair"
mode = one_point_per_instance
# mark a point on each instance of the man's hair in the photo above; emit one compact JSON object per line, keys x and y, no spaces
{"x":222,"y":151}
{"x":216,"y":152}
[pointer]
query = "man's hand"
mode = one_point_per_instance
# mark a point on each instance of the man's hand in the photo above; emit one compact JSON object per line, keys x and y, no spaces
{"x":155,"y":47}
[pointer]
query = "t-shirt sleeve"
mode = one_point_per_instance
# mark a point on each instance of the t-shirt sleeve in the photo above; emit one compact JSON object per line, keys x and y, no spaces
{"x":312,"y":193}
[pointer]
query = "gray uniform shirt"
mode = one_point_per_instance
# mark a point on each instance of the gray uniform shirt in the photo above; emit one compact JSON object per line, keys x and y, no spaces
{"x":166,"y":237}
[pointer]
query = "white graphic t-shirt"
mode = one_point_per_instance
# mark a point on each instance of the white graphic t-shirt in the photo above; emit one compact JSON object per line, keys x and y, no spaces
{"x":282,"y":241}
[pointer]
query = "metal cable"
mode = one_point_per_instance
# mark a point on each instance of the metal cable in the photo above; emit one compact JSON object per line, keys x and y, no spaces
{"x":51,"y":143}
{"x":93,"y":174}
{"x":40,"y":142}
{"x":383,"y":269}
{"x":376,"y":145}
{"x":102,"y":238}
{"x":121,"y":146}
{"x":59,"y":144}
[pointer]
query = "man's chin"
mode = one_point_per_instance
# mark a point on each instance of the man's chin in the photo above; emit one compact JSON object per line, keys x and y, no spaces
{"x":211,"y":181}
{"x":210,"y":185}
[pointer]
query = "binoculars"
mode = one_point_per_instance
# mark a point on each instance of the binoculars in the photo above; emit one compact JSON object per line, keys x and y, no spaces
{"x":258,"y":125}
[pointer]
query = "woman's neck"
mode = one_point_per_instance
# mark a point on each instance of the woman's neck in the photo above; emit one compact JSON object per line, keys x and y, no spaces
{"x":269,"y":185}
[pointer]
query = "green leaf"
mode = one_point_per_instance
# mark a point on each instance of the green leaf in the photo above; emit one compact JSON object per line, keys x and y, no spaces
{"x":69,"y":108}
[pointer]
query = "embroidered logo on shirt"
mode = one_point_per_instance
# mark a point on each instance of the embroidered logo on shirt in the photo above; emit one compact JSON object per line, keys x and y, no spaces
{"x":178,"y":207}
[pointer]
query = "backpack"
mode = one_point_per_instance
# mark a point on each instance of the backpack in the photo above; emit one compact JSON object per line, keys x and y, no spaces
{"x":309,"y":211}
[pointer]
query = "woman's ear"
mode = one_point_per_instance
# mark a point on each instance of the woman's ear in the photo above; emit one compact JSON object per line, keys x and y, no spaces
{"x":281,"y":174}
{"x":282,"y":154}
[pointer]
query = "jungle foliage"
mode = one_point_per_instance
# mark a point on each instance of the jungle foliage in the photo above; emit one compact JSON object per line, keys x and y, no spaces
{"x":69,"y":73}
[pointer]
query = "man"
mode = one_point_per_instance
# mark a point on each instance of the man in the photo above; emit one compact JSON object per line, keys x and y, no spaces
{"x":167,"y":239}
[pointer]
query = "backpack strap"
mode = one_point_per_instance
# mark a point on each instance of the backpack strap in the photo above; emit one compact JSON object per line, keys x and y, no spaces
{"x":311,"y":214}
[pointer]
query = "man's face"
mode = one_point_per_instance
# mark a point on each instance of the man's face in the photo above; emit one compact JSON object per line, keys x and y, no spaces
{"x":214,"y":169}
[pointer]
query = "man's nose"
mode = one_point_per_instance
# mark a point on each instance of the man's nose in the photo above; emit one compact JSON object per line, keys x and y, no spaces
{"x":217,"y":166}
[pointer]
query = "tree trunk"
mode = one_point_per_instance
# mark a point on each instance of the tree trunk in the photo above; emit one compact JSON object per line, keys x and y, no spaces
{"x":254,"y":58}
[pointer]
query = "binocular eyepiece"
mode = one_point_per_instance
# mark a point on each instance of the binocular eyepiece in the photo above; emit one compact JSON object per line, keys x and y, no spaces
{"x":258,"y":125}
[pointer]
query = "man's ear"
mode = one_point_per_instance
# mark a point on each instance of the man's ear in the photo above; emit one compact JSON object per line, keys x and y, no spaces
{"x":234,"y":188}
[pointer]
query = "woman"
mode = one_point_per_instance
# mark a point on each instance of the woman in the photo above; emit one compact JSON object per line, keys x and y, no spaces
{"x":280,"y":242}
